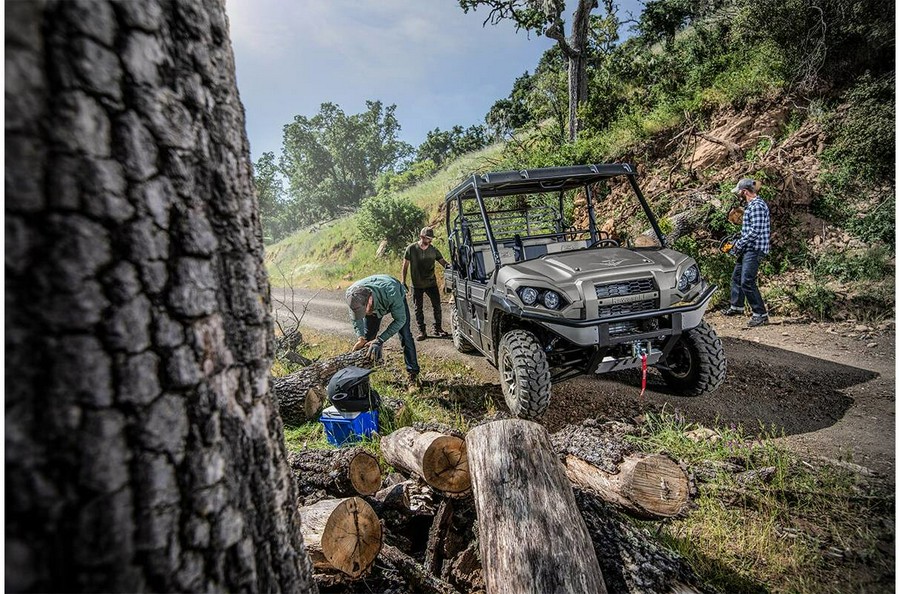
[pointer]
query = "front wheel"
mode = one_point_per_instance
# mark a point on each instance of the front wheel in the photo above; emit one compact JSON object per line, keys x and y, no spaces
{"x":524,"y":374}
{"x":696,"y":364}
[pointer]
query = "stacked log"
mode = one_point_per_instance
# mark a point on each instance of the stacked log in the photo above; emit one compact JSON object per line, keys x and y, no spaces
{"x":341,"y":534}
{"x":532,"y":536}
{"x":437,"y":458}
{"x":340,"y":473}
{"x":300,"y":395}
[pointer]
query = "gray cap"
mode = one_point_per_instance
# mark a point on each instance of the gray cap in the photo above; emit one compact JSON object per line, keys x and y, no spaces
{"x":426,"y":232}
{"x":358,"y":300}
{"x":745,"y":184}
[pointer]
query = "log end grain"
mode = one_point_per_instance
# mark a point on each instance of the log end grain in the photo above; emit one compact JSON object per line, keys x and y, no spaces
{"x":352,"y":537}
{"x":446,"y":466}
{"x":659,"y":485}
{"x":365,"y":474}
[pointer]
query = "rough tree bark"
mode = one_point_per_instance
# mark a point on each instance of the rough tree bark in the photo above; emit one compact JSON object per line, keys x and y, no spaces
{"x":143,"y":449}
{"x":531,"y":535}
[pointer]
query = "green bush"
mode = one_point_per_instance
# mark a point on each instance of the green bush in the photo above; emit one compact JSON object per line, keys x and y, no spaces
{"x":389,"y":217}
{"x":864,"y":134}
{"x":872,"y":264}
{"x":879,"y":224}
{"x":814,"y":299}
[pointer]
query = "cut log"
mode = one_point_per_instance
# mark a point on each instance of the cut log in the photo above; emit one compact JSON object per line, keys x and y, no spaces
{"x":341,"y":534}
{"x":340,"y":473}
{"x":532,"y":537}
{"x":438,"y":458}
{"x":599,"y":459}
{"x":300,"y":395}
{"x":645,"y":486}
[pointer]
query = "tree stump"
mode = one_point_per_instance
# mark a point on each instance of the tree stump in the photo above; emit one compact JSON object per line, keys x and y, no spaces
{"x":300,"y":395}
{"x":532,"y":536}
{"x":439,"y":459}
{"x":340,"y":473}
{"x":341,"y":534}
{"x":645,"y":486}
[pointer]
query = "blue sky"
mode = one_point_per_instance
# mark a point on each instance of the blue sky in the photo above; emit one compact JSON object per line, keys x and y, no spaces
{"x":437,"y":64}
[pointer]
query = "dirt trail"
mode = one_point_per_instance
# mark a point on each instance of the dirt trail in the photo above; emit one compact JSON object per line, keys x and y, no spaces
{"x":828,"y":388}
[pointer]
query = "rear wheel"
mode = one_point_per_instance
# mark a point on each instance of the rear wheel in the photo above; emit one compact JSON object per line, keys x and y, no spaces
{"x":524,"y":374}
{"x":461,"y":343}
{"x":696,"y":364}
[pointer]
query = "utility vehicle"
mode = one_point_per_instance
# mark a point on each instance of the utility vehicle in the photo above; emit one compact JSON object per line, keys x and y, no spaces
{"x":546,"y":301}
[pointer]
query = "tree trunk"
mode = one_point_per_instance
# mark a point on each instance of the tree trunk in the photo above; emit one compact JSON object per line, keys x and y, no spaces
{"x":439,"y":459}
{"x":531,"y":535}
{"x":340,"y":473}
{"x":341,"y":534}
{"x":143,"y":449}
{"x":646,"y":486}
{"x":301,"y":394}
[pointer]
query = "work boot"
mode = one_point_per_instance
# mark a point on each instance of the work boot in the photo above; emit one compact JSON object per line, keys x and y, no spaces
{"x":412,"y":381}
{"x":756,"y":320}
{"x":733,"y":311}
{"x":439,"y":333}
{"x":421,"y":335}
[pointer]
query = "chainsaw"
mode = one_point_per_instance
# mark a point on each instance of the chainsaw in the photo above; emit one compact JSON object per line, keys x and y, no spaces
{"x":727,"y":245}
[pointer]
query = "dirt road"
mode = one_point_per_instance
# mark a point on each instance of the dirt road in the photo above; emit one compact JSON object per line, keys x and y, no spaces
{"x":828,"y":388}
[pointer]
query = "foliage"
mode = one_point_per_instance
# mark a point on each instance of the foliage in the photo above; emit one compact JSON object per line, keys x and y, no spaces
{"x":442,"y":145}
{"x":879,"y":224}
{"x":391,"y":181}
{"x":871,"y":264}
{"x":814,"y":299}
{"x":278,"y":215}
{"x":331,"y":160}
{"x":864,"y":133}
{"x":392,"y":218}
{"x":509,"y":114}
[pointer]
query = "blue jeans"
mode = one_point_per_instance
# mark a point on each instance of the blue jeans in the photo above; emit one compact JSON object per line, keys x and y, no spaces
{"x":373,"y":325}
{"x":743,"y":283}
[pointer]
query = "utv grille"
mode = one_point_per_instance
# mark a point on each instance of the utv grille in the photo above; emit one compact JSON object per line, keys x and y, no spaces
{"x":621,"y":309}
{"x":642,"y":285}
{"x":623,"y":328}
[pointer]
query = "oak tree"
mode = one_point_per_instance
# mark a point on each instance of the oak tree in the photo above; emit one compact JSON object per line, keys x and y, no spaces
{"x":143,"y":449}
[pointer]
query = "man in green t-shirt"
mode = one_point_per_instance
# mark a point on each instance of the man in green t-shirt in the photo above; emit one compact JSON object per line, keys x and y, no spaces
{"x":419,"y":260}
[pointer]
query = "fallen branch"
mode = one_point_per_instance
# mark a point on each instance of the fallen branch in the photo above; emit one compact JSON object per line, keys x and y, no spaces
{"x":416,"y":575}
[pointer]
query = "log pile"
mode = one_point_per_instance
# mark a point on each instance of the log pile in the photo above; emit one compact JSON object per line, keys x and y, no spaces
{"x":506,"y":509}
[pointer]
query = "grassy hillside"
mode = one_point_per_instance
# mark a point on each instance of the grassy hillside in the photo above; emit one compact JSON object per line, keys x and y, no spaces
{"x":334,"y":254}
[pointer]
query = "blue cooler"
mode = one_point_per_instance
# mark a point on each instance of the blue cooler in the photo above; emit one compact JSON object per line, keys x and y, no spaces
{"x":348,"y":427}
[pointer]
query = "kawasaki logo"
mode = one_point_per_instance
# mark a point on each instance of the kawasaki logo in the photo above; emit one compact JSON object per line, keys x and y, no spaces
{"x":629,"y":298}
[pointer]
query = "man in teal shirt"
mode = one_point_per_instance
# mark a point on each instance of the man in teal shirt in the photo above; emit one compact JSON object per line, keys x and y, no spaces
{"x":370,"y":300}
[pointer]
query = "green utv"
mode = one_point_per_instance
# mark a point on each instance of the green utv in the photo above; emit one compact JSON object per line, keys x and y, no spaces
{"x":545,"y":301}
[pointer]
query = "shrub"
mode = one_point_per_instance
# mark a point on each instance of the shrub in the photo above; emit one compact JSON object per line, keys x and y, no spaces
{"x":878,"y":224}
{"x":814,"y":299}
{"x":872,"y":264}
{"x":390,"y":217}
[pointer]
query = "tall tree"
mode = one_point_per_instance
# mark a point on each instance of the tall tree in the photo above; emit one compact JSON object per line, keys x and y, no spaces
{"x":143,"y":449}
{"x":332,"y":160}
{"x":545,"y":18}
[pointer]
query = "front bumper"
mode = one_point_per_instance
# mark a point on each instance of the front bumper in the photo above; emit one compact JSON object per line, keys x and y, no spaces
{"x":596,"y":332}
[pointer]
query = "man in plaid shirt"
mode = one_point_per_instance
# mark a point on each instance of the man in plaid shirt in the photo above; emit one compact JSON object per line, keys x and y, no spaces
{"x":750,"y":249}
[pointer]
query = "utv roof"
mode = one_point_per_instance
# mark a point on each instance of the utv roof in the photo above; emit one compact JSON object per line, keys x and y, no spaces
{"x":530,"y":181}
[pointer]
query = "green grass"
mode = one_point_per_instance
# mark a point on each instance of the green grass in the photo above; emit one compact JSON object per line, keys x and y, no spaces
{"x":767,"y":535}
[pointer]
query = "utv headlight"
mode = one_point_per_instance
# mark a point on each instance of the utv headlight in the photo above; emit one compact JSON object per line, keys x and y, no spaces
{"x":689,"y":277}
{"x":551,"y":299}
{"x":529,"y":296}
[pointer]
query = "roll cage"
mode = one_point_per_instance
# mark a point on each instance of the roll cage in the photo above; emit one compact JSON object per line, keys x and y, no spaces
{"x":470,"y":228}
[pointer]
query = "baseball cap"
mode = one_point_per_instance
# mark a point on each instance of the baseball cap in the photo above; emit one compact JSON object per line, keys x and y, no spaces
{"x":358,"y":299}
{"x":744,"y":184}
{"x":426,"y":232}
